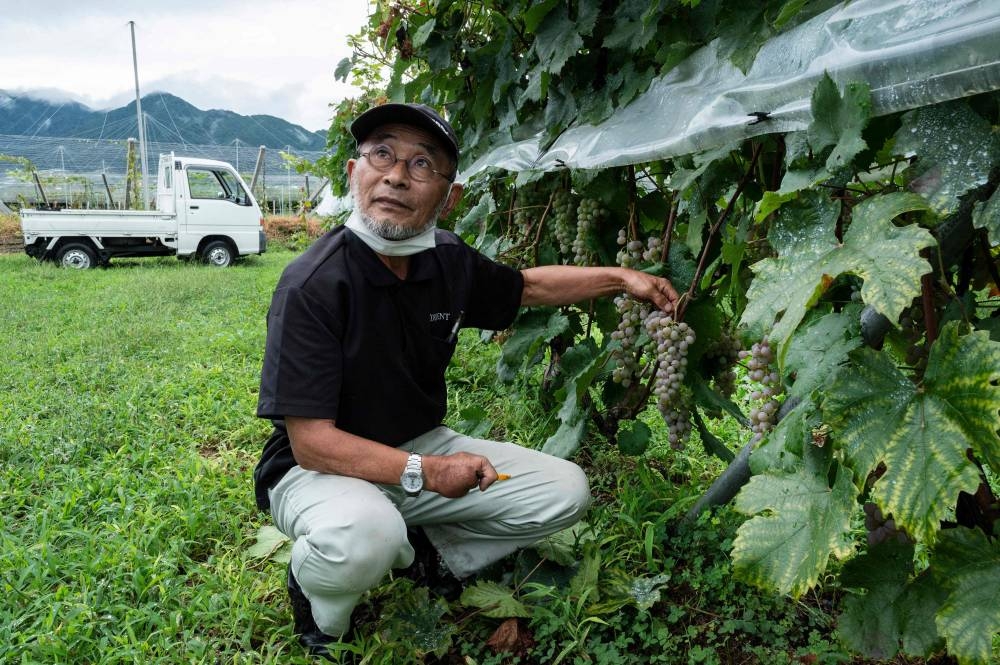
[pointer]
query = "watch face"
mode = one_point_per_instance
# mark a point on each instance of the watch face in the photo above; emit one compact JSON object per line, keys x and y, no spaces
{"x":412,"y":481}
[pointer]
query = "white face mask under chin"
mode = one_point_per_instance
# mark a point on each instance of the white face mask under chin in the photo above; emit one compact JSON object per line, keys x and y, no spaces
{"x":379,"y":245}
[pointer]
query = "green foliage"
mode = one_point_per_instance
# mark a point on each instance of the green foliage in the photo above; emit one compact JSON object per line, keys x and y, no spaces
{"x":892,"y":608}
{"x":128,"y":439}
{"x":838,"y":121}
{"x":987,"y":216}
{"x":853,"y":232}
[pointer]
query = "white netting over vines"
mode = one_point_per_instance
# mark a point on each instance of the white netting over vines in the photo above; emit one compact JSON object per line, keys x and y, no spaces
{"x":911,"y":53}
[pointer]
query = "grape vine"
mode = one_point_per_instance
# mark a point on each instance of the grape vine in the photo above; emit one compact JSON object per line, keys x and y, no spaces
{"x":766,"y":236}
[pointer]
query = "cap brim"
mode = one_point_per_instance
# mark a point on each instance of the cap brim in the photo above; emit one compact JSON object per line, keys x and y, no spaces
{"x":403,"y":114}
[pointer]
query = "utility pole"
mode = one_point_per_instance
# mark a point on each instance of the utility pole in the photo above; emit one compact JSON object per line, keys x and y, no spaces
{"x":142,"y":133}
{"x":258,"y":173}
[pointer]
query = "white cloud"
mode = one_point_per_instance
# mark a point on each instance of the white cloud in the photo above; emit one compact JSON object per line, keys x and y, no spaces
{"x":247,"y":56}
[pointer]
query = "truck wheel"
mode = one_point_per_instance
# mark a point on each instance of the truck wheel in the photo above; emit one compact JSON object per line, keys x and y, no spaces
{"x":76,"y":255}
{"x":217,"y":253}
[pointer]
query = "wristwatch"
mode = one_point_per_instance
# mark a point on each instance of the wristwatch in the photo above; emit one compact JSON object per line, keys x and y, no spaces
{"x":412,"y":479}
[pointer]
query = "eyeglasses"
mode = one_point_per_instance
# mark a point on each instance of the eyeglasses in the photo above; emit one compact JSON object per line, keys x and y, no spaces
{"x":421,"y":168}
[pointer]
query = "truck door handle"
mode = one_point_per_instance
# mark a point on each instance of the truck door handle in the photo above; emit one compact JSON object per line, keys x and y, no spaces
{"x":193,"y":207}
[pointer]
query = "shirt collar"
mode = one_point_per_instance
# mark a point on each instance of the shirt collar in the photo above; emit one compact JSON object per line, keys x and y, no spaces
{"x":422,"y":264}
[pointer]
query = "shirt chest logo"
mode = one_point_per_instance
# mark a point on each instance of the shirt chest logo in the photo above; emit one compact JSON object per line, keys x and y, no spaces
{"x":440,"y":316}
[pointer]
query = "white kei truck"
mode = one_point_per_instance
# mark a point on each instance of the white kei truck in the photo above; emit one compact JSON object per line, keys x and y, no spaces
{"x":204,"y":210}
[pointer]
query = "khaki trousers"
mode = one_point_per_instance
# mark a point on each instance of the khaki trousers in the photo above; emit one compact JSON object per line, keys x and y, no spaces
{"x":348,"y":533}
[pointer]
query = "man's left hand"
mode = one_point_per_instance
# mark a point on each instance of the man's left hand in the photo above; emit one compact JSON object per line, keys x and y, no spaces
{"x":657,"y":290}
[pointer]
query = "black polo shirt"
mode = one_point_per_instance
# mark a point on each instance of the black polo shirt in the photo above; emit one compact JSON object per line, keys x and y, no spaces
{"x":350,"y":341}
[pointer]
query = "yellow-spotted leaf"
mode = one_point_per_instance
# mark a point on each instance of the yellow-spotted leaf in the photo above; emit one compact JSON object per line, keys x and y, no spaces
{"x":799,"y":521}
{"x":810,"y":258}
{"x":921,"y":433}
{"x":969,"y":565}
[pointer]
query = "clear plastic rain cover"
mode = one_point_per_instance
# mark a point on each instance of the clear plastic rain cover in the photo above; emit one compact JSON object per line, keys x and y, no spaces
{"x":912,"y":53}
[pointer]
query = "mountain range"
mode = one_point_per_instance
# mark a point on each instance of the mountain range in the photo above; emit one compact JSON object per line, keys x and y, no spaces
{"x":169,"y":119}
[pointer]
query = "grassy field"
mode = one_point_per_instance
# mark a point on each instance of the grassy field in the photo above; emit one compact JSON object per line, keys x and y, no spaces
{"x":127,"y":440}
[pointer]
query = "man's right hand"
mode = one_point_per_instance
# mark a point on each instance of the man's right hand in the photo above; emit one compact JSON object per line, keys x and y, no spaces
{"x":454,"y":475}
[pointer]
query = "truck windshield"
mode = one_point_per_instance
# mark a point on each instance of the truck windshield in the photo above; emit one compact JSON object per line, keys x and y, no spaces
{"x":216,"y":184}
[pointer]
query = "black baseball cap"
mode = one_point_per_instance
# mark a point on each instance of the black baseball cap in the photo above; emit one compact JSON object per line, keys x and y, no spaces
{"x":417,"y":115}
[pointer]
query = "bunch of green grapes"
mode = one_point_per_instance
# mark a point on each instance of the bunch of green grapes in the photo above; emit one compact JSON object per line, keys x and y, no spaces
{"x":672,"y":339}
{"x":524,"y":220}
{"x":654,"y":247}
{"x":627,"y":358}
{"x":588,"y":216}
{"x":526,"y":210}
{"x":719,"y":359}
{"x":759,"y":370}
{"x":633,"y":253}
{"x":564,"y":221}
{"x":629,"y":252}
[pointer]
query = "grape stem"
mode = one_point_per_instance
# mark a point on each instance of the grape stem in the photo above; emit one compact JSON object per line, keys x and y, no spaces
{"x":668,"y":232}
{"x":632,"y":229}
{"x":541,"y":225}
{"x":927,"y":297}
{"x":682,"y":302}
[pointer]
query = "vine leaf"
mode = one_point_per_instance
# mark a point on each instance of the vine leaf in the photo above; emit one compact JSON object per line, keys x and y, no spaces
{"x":838,"y":121}
{"x":415,"y":620}
{"x":969,"y":565}
{"x":534,"y":15}
{"x":270,"y":544}
{"x":559,"y":37}
{"x":475,"y":422}
{"x":782,"y":450}
{"x":497,"y":602}
{"x":818,"y":348}
{"x":810,"y":257}
{"x":632,"y":27}
{"x":893,"y":608}
{"x":566,"y":441}
{"x":581,"y":364}
{"x":869,"y":623}
{"x":799,"y":520}
{"x":835,"y":132}
{"x":955,"y":150}
{"x":533,"y":329}
{"x":921,"y":433}
{"x":645,"y":591}
{"x":987,"y":216}
{"x":634,"y":440}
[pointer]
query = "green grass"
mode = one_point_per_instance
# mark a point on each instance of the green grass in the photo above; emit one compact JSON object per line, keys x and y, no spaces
{"x":127,"y":440}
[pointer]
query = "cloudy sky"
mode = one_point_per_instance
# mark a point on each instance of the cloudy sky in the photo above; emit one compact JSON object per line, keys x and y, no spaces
{"x":274,"y":57}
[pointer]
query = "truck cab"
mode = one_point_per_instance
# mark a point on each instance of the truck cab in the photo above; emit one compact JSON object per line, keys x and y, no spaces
{"x":218,"y":218}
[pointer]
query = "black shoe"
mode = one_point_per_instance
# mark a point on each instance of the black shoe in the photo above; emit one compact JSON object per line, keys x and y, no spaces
{"x":428,"y":569}
{"x":311,"y":637}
